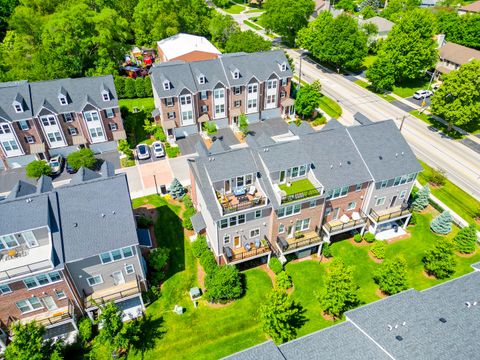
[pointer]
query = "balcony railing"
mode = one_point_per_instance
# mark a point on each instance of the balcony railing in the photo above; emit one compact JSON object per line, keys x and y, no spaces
{"x":378,"y":217}
{"x":332,"y":227}
{"x":237,"y":255}
{"x":24,"y":269}
{"x":92,"y":300}
{"x":55,"y":318}
{"x":243,"y":204}
{"x":299,"y":195}
{"x":294,"y":243}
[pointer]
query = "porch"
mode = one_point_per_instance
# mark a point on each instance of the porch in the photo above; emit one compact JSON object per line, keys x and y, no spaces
{"x":390,"y":214}
{"x":297,"y":190}
{"x":52,"y":317}
{"x":246,"y":252}
{"x":241,"y":198}
{"x":345,"y":223}
{"x":113,"y":293}
{"x":298,"y":242}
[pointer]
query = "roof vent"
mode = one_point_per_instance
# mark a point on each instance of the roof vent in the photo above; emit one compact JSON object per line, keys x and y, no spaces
{"x":399,"y":338}
{"x":28,"y":200}
{"x":474,"y":303}
{"x":331,"y":166}
{"x":390,"y":327}
{"x":404,"y":323}
{"x":348,"y":162}
{"x":380,"y":157}
{"x":113,"y":212}
{"x":340,"y":164}
{"x":396,"y":154}
{"x":403,"y":153}
{"x":103,"y":215}
{"x":443,"y":320}
{"x":75,"y":224}
{"x":468,"y":304}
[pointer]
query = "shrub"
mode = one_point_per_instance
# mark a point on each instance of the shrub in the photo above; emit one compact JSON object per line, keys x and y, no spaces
{"x":369,"y":237}
{"x":210,"y":128}
{"x":413,"y":219}
{"x":223,"y":284}
{"x":466,"y":239}
{"x":440,"y":261}
{"x":199,"y":246}
{"x":85,"y":329}
{"x":129,"y":88}
{"x":358,"y":238}
{"x":176,"y":189}
{"x":37,"y":168}
{"x":378,"y":249}
{"x":157,"y":260}
{"x":187,"y":201}
{"x":208,"y":262}
{"x":283,"y":281}
{"x":442,"y":224}
{"x":275,"y":265}
{"x":144,"y":221}
{"x":320,"y":120}
{"x":436,"y":177}
{"x":139,"y":87}
{"x":159,"y":134}
{"x":187,"y":221}
{"x":476,"y":214}
{"x":124,"y":147}
{"x":172,"y":152}
{"x":326,"y":251}
{"x":153,"y":293}
{"x":119,"y":82}
{"x":147,"y":83}
{"x":82,"y":158}
{"x":391,"y":276}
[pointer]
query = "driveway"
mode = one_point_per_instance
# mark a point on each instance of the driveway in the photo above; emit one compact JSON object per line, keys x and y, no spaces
{"x":180,"y":170}
{"x":227,"y":136}
{"x":271,"y":127}
{"x":155,"y":174}
{"x":187,"y":144}
{"x":419,"y":102}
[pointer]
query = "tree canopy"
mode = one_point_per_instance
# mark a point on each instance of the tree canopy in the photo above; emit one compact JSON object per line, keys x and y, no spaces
{"x":391,"y":276}
{"x":246,"y":41}
{"x":221,"y":27}
{"x":37,"y":168}
{"x":460,"y":29}
{"x":396,"y":8}
{"x":440,"y":260}
{"x":82,"y":158}
{"x":287,"y":17}
{"x":308,"y":99}
{"x":458,"y":98}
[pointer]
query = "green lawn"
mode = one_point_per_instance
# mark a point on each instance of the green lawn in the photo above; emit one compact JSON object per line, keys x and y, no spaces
{"x":234,"y":9}
{"x":368,"y":61}
{"x":297,"y":186}
{"x":408,"y":88}
{"x":367,"y":86}
{"x":259,"y":20}
{"x":252,"y":25}
{"x":330,"y":106}
{"x":253,"y":11}
{"x":454,"y":197}
{"x":436,"y":124}
{"x":141,"y":103}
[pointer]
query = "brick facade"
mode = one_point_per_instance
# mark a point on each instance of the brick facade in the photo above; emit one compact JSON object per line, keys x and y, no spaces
{"x":343,"y":202}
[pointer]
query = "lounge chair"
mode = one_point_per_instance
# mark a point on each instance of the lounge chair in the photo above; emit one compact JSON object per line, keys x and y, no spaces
{"x":257,"y":243}
{"x":252,"y":190}
{"x":247,"y":246}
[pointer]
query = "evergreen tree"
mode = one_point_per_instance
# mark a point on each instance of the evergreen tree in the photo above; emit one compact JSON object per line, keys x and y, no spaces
{"x":391,"y":276}
{"x":130,"y":88}
{"x":440,"y":260}
{"x":281,"y":316}
{"x":442,"y":224}
{"x":176,"y":189}
{"x":421,"y":201}
{"x":119,"y":82}
{"x":147,"y":84}
{"x":466,"y":239}
{"x":139,"y":87}
{"x":340,"y":291}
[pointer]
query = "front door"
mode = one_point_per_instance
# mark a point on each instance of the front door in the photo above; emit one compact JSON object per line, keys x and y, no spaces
{"x":227,"y":186}
{"x":236,"y":241}
{"x":290,"y":232}
{"x":282,"y":176}
{"x":118,"y":278}
{"x":335,"y":213}
{"x":49,"y":303}
{"x":392,"y":203}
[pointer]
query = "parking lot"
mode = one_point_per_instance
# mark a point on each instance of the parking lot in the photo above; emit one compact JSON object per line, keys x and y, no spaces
{"x":151,"y":158}
{"x":419,"y":102}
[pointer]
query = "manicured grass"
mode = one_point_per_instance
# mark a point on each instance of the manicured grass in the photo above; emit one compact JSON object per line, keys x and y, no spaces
{"x":454,"y":197}
{"x":436,"y":124}
{"x":367,"y":86}
{"x":252,"y":25}
{"x":408,"y":88}
{"x":234,"y":9}
{"x":141,"y":103}
{"x":297,"y":186}
{"x":369,"y":60}
{"x":253,"y":11}
{"x":258,"y":20}
{"x":124,"y":162}
{"x":330,"y":107}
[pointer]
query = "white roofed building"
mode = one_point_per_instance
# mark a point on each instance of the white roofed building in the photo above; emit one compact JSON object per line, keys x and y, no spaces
{"x":186,"y":47}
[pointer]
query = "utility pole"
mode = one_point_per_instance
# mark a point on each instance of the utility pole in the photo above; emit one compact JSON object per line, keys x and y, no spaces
{"x":401,"y":124}
{"x":300,"y":72}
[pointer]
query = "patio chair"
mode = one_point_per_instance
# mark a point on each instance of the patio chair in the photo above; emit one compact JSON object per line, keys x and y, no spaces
{"x":247,"y":246}
{"x":252,"y":190}
{"x":257,"y":243}
{"x":356,"y":215}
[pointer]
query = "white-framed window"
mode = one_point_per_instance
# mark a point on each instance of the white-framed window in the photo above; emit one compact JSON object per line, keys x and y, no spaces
{"x":204,"y":108}
{"x":60,"y":294}
{"x":8,"y":242}
{"x":281,"y":228}
{"x":252,"y":103}
{"x":352,"y":205}
{"x":403,"y":194}
{"x":411,"y":177}
{"x":30,"y":239}
{"x":337,"y":193}
{"x":283,"y":66}
{"x":54,"y":136}
{"x":252,"y":88}
{"x":358,"y":187}
{"x":219,"y":93}
{"x":185,"y":99}
{"x":105,"y":96}
{"x":5,"y":129}
{"x":226,"y":239}
{"x":67,"y":117}
{"x":166,"y":85}
{"x":302,"y":225}
{"x":110,"y":113}
{"x":187,"y":116}
{"x":29,"y":305}
{"x":236,"y":74}
{"x":284,"y":81}
{"x":328,"y":211}
{"x":313,"y":203}
{"x":169,"y":101}
{"x":383,"y":184}
{"x":271,"y":84}
{"x":42,"y":280}
{"x":72,"y":131}
{"x":271,"y":99}
{"x":18,"y":108}
{"x":254,"y":233}
{"x":113,"y":126}
{"x":30,"y":139}
{"x":232,"y":221}
{"x":95,"y":280}
{"x":400,"y":180}
{"x":48,"y":120}
{"x":129,"y":269}
{"x":258,"y":214}
{"x":23,"y":124}
{"x":201,"y":79}
{"x":219,"y":109}
{"x":91,"y":116}
{"x":96,"y":132}
{"x":10,"y":145}
{"x":49,"y":303}
{"x":171,"y":115}
{"x":63,"y":100}
{"x":237,"y":103}
{"x":380,"y":201}
{"x":223,"y":223}
{"x":5,"y":289}
{"x":203,"y":95}
{"x":114,"y":255}
{"x":237,"y":90}
{"x":298,"y":171}
{"x":289,"y":210}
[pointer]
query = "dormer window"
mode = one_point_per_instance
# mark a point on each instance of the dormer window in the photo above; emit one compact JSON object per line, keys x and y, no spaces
{"x":236,"y":74}
{"x":201,"y":79}
{"x":166,"y":85}
{"x":63,"y":100}
{"x":283,"y":66}
{"x":18,"y":107}
{"x":105,"y":96}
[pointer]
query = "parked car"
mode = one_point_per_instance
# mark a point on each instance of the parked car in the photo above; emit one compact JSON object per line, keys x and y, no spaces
{"x":56,"y":163}
{"x":158,"y":150}
{"x":422,"y":94}
{"x":143,"y":152}
{"x":69,"y":168}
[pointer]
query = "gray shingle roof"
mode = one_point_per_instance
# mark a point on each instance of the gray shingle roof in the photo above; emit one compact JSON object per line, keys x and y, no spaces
{"x":266,"y":351}
{"x":181,"y":75}
{"x":198,"y":222}
{"x":10,"y":91}
{"x":384,"y":150}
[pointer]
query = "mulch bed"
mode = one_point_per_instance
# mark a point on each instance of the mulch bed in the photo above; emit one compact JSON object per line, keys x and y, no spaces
{"x":398,"y":238}
{"x":361,"y":243}
{"x":201,"y":277}
{"x":327,"y":316}
{"x":465,"y":255}
{"x":380,"y":294}
{"x":428,"y":276}
{"x":325,"y":260}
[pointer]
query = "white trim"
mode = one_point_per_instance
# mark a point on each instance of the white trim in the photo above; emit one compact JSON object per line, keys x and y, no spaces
{"x":93,"y":277}
{"x":371,"y":339}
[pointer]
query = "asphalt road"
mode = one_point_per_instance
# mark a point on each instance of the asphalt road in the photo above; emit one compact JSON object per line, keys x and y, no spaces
{"x":461,"y":164}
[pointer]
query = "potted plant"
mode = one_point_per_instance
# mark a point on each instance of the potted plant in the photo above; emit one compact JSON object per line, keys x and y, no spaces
{"x":298,"y":235}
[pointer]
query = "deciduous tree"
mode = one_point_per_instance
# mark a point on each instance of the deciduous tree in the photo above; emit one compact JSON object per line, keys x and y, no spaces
{"x":246,"y":41}
{"x":221,"y":27}
{"x":155,"y":20}
{"x":440,"y":260}
{"x":224,"y":284}
{"x":37,"y":168}
{"x":391,"y":276}
{"x":308,"y":99}
{"x":82,"y":158}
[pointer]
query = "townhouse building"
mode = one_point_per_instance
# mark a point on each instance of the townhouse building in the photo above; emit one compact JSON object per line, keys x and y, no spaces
{"x":42,"y":119}
{"x":188,"y":94}
{"x":66,"y":251}
{"x":291,"y":193}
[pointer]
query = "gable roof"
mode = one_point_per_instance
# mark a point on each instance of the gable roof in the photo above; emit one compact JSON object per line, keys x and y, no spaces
{"x":383,"y":25}
{"x":181,"y":44}
{"x":458,"y":54}
{"x":14,"y":91}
